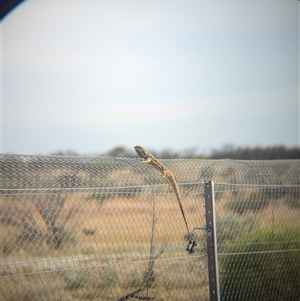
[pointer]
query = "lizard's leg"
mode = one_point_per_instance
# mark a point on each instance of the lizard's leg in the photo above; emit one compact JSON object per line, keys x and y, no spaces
{"x":163,"y":174}
{"x":148,"y":160}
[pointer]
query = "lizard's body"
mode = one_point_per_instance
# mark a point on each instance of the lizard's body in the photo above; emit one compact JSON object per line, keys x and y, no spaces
{"x":164,"y":172}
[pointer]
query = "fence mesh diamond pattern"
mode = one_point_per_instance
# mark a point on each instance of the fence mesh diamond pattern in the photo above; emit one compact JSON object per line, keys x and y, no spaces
{"x":106,"y":228}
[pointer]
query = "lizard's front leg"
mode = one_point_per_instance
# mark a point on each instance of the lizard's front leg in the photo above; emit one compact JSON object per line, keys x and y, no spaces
{"x":164,"y":174}
{"x":147,"y":160}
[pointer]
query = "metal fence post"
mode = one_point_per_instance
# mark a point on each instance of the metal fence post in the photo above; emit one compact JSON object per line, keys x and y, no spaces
{"x":212,"y":256}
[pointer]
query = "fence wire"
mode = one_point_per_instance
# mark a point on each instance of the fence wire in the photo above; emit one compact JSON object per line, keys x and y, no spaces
{"x":106,"y":228}
{"x":258,"y":230}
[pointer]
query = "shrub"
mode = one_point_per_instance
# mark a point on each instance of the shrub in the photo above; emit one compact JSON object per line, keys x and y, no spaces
{"x":245,"y":201}
{"x":77,"y":279}
{"x":267,"y":268}
{"x":38,"y":218}
{"x":229,"y":225}
{"x":109,"y":277}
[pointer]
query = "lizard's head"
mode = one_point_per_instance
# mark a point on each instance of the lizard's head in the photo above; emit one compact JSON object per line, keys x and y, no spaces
{"x":141,"y":151}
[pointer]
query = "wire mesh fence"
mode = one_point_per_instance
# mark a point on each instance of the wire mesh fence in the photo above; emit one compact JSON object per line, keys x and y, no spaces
{"x":96,"y":228}
{"x":258,"y":230}
{"x":106,"y":228}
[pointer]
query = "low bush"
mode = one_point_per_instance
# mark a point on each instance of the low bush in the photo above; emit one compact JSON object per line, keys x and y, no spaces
{"x":245,"y":201}
{"x":265,"y":268}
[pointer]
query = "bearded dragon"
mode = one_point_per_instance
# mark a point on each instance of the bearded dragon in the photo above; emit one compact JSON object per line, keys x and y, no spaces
{"x":164,"y":172}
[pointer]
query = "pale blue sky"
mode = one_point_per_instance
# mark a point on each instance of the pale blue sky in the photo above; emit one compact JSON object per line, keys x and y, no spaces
{"x":88,"y":75}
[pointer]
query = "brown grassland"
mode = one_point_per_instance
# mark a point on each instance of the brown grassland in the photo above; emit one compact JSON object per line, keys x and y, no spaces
{"x":106,"y":246}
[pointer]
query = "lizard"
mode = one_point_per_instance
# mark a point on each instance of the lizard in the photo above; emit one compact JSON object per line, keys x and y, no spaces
{"x":164,"y":172}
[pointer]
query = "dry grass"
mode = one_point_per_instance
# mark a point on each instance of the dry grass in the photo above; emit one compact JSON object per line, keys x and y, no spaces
{"x":115,"y":238}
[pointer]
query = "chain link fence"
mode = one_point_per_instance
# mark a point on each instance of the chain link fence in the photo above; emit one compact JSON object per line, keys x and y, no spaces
{"x":106,"y":228}
{"x":258,"y":233}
